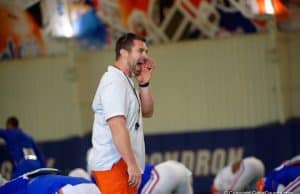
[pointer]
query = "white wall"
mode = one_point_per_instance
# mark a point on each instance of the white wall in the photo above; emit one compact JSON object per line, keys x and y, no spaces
{"x":42,"y":93}
{"x":201,"y":84}
{"x":198,"y":85}
{"x":294,"y":60}
{"x":215,"y":84}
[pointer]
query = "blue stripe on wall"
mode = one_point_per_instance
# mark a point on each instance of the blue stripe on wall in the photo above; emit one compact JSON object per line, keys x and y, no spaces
{"x":204,"y":153}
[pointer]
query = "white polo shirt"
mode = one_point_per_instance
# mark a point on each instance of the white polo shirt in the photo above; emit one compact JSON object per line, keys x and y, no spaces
{"x":115,"y":96}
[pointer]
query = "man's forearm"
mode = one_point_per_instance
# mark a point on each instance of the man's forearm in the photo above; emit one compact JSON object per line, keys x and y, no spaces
{"x":120,"y":135}
{"x":147,"y":101}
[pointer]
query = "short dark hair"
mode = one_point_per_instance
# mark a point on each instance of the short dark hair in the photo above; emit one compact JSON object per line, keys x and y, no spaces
{"x":126,"y":42}
{"x":13,"y":121}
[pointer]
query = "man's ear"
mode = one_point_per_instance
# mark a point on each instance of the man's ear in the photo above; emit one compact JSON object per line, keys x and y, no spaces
{"x":124,"y":53}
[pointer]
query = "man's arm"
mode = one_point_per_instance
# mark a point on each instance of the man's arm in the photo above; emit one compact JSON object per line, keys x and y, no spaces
{"x":120,"y":135}
{"x":147,"y":102}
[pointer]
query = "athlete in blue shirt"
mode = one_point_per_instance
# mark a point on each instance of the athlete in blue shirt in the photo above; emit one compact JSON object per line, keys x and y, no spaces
{"x":283,"y":177}
{"x":166,"y":177}
{"x":23,"y":150}
{"x":45,"y":181}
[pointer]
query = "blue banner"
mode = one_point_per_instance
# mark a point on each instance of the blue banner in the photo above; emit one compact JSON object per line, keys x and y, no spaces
{"x":204,"y":153}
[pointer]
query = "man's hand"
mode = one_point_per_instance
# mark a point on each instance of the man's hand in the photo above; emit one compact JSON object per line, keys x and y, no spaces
{"x":135,"y":176}
{"x":146,"y":72}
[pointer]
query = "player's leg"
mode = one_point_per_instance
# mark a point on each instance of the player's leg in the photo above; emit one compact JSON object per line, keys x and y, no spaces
{"x":186,"y":183}
{"x":163,"y":179}
{"x":183,"y":176}
{"x":258,"y":172}
{"x":151,"y":183}
{"x":84,"y":188}
{"x":250,"y":171}
{"x":293,"y":187}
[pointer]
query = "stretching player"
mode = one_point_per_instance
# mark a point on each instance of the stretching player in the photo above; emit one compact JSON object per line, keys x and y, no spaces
{"x":285,"y":178}
{"x":239,"y":176}
{"x":165,"y":178}
{"x":45,"y":181}
{"x":22,"y":148}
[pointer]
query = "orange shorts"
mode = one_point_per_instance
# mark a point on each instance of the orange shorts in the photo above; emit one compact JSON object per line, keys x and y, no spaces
{"x":115,"y":180}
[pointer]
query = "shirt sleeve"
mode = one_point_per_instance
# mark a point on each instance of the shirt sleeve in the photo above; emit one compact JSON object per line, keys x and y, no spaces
{"x":3,"y":133}
{"x":115,"y":99}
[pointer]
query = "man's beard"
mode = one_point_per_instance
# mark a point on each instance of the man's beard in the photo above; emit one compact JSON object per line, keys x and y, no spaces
{"x":136,"y":69}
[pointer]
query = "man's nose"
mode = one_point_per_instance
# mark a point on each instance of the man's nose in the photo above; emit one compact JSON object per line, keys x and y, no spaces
{"x":145,"y":55}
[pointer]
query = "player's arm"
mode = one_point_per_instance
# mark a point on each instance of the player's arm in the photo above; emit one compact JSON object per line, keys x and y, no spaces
{"x":120,"y":135}
{"x":40,"y":154}
{"x":3,"y":133}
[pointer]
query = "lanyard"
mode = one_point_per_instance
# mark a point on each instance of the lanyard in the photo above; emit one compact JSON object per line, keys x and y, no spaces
{"x":133,"y":89}
{"x":137,"y":125}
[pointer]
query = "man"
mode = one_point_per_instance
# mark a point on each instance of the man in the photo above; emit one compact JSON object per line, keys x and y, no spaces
{"x":239,"y":176}
{"x":118,"y":154}
{"x":285,"y":178}
{"x":46,"y":181}
{"x":25,"y":153}
{"x":167,"y":177}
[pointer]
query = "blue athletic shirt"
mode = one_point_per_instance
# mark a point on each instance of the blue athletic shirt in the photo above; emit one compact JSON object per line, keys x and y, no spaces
{"x":20,"y":145}
{"x":43,"y":184}
{"x":282,"y":175}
